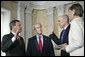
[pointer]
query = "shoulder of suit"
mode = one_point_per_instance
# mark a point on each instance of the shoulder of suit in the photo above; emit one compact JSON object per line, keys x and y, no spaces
{"x":68,"y":28}
{"x":75,"y":24}
{"x":78,"y":20}
{"x":45,"y":36}
{"x":8,"y":34}
{"x":32,"y":38}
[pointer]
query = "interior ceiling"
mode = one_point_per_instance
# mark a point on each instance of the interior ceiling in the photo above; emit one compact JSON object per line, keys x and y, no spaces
{"x":50,"y":3}
{"x":44,"y":4}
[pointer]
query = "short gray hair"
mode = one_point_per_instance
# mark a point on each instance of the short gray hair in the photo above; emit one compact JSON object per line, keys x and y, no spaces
{"x":36,"y":24}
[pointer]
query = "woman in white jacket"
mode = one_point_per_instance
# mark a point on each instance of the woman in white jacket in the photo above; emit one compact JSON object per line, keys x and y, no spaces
{"x":76,"y":34}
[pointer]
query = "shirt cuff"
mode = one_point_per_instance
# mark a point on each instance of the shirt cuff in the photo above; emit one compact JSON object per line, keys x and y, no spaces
{"x":13,"y":39}
{"x":67,"y":49}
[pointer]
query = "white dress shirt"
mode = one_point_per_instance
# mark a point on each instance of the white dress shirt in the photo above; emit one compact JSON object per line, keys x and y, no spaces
{"x":13,"y":38}
{"x":37,"y":36}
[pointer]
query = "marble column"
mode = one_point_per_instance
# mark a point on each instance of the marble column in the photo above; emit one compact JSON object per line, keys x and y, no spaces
{"x":50,"y":18}
{"x":51,"y":21}
{"x":25,"y":16}
{"x":28,"y":24}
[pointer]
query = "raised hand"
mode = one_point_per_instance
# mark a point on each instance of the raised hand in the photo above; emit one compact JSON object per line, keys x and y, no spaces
{"x":17,"y":32}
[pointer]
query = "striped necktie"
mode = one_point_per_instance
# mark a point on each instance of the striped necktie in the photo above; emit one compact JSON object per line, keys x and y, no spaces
{"x":63,"y":31}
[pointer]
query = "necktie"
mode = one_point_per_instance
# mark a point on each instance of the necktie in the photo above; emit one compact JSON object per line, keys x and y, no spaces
{"x":18,"y":38}
{"x":62,"y":35}
{"x":40,"y":44}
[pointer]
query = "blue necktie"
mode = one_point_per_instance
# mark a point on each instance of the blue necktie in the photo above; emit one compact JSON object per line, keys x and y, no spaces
{"x":62,"y":35}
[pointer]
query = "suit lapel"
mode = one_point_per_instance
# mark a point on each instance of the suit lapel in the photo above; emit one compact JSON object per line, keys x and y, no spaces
{"x":36,"y":43}
{"x":44,"y":43}
{"x":65,"y":33}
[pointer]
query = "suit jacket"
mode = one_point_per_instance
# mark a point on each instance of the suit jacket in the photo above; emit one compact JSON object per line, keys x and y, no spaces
{"x":12,"y":49}
{"x":76,"y":38}
{"x":33,"y":47}
{"x":58,"y":41}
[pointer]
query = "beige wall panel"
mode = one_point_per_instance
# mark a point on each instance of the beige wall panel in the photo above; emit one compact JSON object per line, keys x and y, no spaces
{"x":40,"y":16}
{"x":10,"y":5}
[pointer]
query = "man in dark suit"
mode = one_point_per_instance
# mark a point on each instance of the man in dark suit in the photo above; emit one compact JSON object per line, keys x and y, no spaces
{"x":12,"y":44}
{"x":63,"y":22}
{"x":39,"y":45}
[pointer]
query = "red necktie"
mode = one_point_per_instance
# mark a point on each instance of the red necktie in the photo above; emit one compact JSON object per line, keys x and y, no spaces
{"x":40,"y":44}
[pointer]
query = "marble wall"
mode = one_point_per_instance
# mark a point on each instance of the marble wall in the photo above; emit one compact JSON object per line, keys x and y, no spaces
{"x":10,"y":5}
{"x":8,"y":13}
{"x":40,"y":16}
{"x":24,"y":13}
